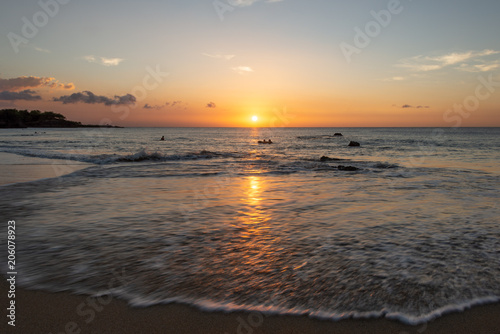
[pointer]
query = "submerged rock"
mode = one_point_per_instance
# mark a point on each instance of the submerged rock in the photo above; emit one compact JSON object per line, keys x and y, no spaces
{"x":348,"y":168}
{"x":354,"y":143}
{"x":338,"y":134}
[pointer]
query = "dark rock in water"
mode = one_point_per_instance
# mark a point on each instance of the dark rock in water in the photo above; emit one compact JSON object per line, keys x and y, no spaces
{"x":338,"y":134}
{"x":354,"y":143}
{"x":348,"y":168}
{"x":325,"y":158}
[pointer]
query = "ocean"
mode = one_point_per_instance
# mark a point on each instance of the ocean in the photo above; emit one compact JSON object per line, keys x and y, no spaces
{"x":209,"y":217}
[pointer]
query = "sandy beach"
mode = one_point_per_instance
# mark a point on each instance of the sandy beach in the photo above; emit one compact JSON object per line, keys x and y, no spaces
{"x":42,"y":312}
{"x":16,"y":168}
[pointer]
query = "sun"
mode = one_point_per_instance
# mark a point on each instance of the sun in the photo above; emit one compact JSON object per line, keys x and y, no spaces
{"x":255,"y":118}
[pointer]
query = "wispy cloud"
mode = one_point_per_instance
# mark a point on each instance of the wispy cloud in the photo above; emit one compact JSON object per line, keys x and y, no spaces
{"x":91,"y":98}
{"x":23,"y":83}
{"x":41,"y":50}
{"x":168,"y":104}
{"x":27,"y":95}
{"x":480,"y":67}
{"x":157,"y":107}
{"x":394,"y":79}
{"x":219,"y":56}
{"x":244,"y":3}
{"x":406,"y":106}
{"x":211,"y":105}
{"x":242,"y":69}
{"x":173,"y":103}
{"x":103,"y":60}
{"x":476,"y":61}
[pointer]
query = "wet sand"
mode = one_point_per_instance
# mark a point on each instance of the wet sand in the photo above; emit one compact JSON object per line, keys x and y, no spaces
{"x":42,"y":312}
{"x":16,"y":168}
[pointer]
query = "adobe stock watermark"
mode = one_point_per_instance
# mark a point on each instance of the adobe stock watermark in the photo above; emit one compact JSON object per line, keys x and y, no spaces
{"x":372,"y":29}
{"x":460,"y":111}
{"x":88,"y":309}
{"x":280,"y":119}
{"x":221,"y":7}
{"x":471,"y":103}
{"x":150,"y":81}
{"x":30,"y":28}
{"x":255,"y":319}
{"x":201,"y":197}
{"x":483,"y":91}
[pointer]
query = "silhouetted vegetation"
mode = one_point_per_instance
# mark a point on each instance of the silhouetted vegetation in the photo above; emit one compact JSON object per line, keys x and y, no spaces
{"x":13,"y":118}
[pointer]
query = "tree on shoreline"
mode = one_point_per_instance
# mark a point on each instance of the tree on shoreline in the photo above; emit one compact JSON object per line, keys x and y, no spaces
{"x":13,"y":118}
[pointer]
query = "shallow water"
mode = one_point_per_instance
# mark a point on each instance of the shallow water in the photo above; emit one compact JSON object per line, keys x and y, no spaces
{"x":211,"y":218}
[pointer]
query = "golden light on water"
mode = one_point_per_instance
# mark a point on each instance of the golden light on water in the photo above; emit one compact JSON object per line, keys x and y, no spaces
{"x":254,"y":191}
{"x":253,"y":215}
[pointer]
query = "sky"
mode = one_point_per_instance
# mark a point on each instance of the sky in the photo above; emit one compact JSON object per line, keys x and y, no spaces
{"x":290,"y":63}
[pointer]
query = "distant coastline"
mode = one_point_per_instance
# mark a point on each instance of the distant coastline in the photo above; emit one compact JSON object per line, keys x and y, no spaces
{"x":13,"y":118}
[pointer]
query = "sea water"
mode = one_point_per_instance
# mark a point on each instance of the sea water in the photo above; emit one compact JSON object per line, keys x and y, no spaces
{"x":211,"y":218}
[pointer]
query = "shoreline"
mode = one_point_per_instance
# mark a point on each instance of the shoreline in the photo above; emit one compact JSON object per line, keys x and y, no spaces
{"x":16,"y":168}
{"x":64,"y":127}
{"x":62,"y":312}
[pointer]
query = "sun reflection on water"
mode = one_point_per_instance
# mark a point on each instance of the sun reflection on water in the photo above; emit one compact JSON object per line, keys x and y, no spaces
{"x":253,"y":213}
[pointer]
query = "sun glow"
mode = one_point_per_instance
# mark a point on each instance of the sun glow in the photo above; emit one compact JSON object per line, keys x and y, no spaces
{"x":255,"y":118}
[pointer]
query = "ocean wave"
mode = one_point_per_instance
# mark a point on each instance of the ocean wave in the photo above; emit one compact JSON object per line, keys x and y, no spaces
{"x":318,"y":137}
{"x":141,"y":155}
{"x":384,"y":165}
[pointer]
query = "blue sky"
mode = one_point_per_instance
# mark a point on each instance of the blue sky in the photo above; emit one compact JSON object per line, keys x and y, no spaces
{"x":262,"y":55}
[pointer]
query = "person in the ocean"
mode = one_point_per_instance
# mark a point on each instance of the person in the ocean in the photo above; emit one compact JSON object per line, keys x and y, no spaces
{"x":162,"y":138}
{"x":269,"y":141}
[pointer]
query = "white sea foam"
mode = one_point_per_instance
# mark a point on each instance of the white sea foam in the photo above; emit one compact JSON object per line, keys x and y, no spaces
{"x":270,"y":309}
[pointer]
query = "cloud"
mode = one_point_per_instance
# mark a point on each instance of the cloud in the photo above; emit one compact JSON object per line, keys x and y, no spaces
{"x":242,"y":69}
{"x":91,"y":98}
{"x":469,"y":61}
{"x":41,"y":50}
{"x":69,"y":86}
{"x":219,"y":56}
{"x":168,"y":104}
{"x":27,"y":95}
{"x":103,"y":60}
{"x":405,"y":106}
{"x":173,"y":103}
{"x":23,"y":83}
{"x":480,"y":67}
{"x":211,"y":105}
{"x":244,"y":3}
{"x":157,"y":107}
{"x":394,"y":79}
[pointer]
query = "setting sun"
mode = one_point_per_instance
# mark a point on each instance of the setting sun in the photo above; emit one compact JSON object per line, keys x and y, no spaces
{"x":255,"y":118}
